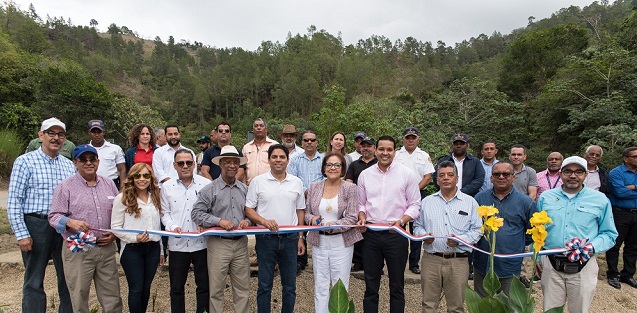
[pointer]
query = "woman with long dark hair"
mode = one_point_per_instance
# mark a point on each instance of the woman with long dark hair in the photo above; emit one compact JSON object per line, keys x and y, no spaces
{"x":142,"y":146}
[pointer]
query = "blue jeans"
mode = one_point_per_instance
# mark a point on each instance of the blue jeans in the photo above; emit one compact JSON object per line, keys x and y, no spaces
{"x":47,"y":244}
{"x":139,"y":261}
{"x":273,"y":249}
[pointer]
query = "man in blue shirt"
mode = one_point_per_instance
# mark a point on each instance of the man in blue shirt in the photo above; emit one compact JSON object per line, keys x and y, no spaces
{"x":516,"y":209}
{"x":576,"y":211}
{"x":623,"y":180}
{"x":33,"y":179}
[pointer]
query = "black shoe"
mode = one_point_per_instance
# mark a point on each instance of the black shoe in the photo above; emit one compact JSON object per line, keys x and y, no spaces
{"x":536,"y":279}
{"x":629,"y":281}
{"x":525,"y":281}
{"x":415,"y":269}
{"x":470,"y":275}
{"x":299,"y":269}
{"x":614,"y":282}
{"x":357,"y":267}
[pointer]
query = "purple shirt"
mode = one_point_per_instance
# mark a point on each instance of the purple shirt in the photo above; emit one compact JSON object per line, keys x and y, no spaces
{"x":387,"y":196}
{"x":74,"y":199}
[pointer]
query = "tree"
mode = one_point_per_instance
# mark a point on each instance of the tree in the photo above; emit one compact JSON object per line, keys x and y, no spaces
{"x":93,"y":22}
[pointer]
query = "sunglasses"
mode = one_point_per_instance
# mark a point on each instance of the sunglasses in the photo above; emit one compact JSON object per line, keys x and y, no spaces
{"x":221,"y":131}
{"x":187,"y":163}
{"x":138,"y":176}
{"x":86,"y":160}
{"x":309,"y":139}
{"x":505,"y":175}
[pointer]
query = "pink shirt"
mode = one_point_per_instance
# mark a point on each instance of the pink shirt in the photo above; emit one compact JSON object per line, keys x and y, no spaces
{"x":387,"y":196}
{"x":545,"y":181}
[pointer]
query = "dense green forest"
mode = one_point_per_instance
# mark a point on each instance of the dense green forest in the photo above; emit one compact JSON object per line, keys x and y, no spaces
{"x":557,"y":84}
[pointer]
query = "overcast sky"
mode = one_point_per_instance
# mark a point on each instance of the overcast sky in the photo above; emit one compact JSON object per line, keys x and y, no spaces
{"x":246,"y":23}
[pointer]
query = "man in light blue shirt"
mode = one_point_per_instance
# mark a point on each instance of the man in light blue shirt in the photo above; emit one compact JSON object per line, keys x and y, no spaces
{"x":576,"y":211}
{"x":489,"y":151}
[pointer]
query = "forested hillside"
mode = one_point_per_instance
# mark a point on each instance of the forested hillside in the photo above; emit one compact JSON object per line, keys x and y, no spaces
{"x":557,"y":84}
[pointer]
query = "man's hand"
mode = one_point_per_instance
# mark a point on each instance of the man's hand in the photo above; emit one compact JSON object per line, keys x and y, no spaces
{"x":143,"y":237}
{"x":226,"y":224}
{"x":26,"y":244}
{"x":631,"y":187}
{"x":77,"y":225}
{"x":430,"y":240}
{"x":200,"y":228}
{"x":107,"y":238}
{"x":361,"y":221}
{"x":301,"y":247}
{"x":177,"y":230}
{"x":452,"y":243}
{"x":243,"y":224}
{"x":161,"y":261}
{"x":271,"y":225}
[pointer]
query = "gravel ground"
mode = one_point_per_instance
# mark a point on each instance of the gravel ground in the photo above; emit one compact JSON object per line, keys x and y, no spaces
{"x":606,"y":298}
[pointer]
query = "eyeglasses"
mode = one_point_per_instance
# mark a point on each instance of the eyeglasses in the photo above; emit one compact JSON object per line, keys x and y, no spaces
{"x":221,"y":131}
{"x":138,"y":176}
{"x":86,"y":160}
{"x":52,"y":134}
{"x":333,"y":165}
{"x":576,"y":172}
{"x":632,"y":156}
{"x":309,"y":139}
{"x":503,"y":174}
{"x":182,"y":163}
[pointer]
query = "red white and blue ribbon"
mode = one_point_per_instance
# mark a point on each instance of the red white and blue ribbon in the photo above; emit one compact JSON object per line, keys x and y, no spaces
{"x":260,"y":230}
{"x":579,"y":249}
{"x":81,"y":241}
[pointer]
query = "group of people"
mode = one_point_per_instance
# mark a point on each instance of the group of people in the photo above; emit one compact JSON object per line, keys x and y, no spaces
{"x":152,"y":186}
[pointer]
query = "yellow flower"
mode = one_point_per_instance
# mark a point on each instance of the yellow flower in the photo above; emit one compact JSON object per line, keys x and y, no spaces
{"x":538,"y":233}
{"x":486,"y":211}
{"x":493,"y":223}
{"x":540,"y":218}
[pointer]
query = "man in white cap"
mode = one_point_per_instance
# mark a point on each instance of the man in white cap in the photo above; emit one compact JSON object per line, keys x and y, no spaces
{"x":221,"y":204}
{"x":33,"y":179}
{"x":576,"y":211}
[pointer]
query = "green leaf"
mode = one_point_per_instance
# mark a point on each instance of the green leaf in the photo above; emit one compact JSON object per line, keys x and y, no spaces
{"x":352,"y":308}
{"x":558,"y":309}
{"x":472,"y":299}
{"x":518,"y":296}
{"x":502,"y":298}
{"x":491,"y":305}
{"x":339,"y":299}
{"x":491,"y":283}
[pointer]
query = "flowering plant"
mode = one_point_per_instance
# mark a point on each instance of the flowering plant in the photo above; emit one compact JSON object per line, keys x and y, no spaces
{"x":519,"y":299}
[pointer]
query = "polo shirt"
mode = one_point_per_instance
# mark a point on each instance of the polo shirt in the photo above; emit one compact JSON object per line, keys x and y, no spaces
{"x":110,"y":155}
{"x":525,"y":178}
{"x":277,"y":200}
{"x":357,"y":167}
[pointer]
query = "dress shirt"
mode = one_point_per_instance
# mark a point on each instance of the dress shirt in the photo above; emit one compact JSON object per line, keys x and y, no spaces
{"x":355,"y":155}
{"x":586,"y":215}
{"x":622,"y":197}
{"x":218,"y":201}
{"x":488,"y":170}
{"x":546,"y":181}
{"x":516,"y":209}
{"x":440,"y":217}
{"x":419,"y":162}
{"x":163,"y":159}
{"x":525,"y":178}
{"x":308,"y":170}
{"x":110,"y":155}
{"x":277,"y":200}
{"x":386,"y":196}
{"x":296,"y":151}
{"x":33,"y":178}
{"x":460,"y":169}
{"x":593,"y":180}
{"x":257,"y":158}
{"x":75,"y":199}
{"x":148,"y":220}
{"x":177,"y":202}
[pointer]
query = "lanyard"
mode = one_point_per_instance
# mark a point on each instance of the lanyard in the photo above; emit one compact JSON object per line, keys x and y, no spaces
{"x":548,"y":179}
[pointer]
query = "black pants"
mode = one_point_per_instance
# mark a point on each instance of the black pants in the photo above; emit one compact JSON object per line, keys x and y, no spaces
{"x":358,"y":253}
{"x":178,"y":273}
{"x":381,"y":247}
{"x":626,"y":224}
{"x":415,"y":249}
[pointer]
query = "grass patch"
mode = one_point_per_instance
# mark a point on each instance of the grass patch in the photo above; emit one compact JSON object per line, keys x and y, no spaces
{"x":10,"y":148}
{"x":5,"y":228}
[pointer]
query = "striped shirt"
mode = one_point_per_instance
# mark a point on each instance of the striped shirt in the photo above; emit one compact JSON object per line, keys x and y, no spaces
{"x":33,"y":178}
{"x":308,"y":170}
{"x":440,"y":217}
{"x":546,"y":181}
{"x":75,"y":199}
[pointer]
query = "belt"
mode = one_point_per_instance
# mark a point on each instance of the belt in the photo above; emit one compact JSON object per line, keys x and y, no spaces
{"x":451,"y":255}
{"x":140,"y":244}
{"x":279,"y":235}
{"x":229,"y":237}
{"x":328,"y":234}
{"x":38,"y":215}
{"x":626,"y":209}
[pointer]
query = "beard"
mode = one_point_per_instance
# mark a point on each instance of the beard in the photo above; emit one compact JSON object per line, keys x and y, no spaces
{"x":288,"y":144}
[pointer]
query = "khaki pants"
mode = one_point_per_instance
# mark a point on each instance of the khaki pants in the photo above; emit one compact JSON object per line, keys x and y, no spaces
{"x":440,"y":274}
{"x":226,"y":256}
{"x":577,"y":289}
{"x":98,"y":265}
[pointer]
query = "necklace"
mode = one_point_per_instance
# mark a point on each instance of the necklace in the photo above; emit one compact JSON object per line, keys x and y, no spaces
{"x":329,"y":205}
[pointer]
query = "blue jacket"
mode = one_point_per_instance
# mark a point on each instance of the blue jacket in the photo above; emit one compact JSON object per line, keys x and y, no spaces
{"x":472,"y":174}
{"x":129,"y":156}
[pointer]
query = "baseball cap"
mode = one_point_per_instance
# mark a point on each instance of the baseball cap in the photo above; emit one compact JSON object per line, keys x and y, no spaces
{"x":203,"y":139}
{"x":96,"y":124}
{"x":574,"y":160}
{"x":369,"y":140}
{"x":460,"y":137}
{"x":48,"y":123}
{"x":359,"y":135}
{"x":81,"y":149}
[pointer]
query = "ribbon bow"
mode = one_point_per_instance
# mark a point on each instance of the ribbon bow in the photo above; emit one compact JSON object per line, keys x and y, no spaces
{"x":579,"y":249}
{"x":81,"y":241}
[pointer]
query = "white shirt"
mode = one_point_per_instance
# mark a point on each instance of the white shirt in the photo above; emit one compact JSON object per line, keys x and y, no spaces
{"x":355,"y":155}
{"x":163,"y":159}
{"x":147,"y":220}
{"x":277,"y":200}
{"x":110,"y":155}
{"x":418,"y":161}
{"x":592,"y":180}
{"x":459,"y":169}
{"x":295,"y":151}
{"x":177,"y":201}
